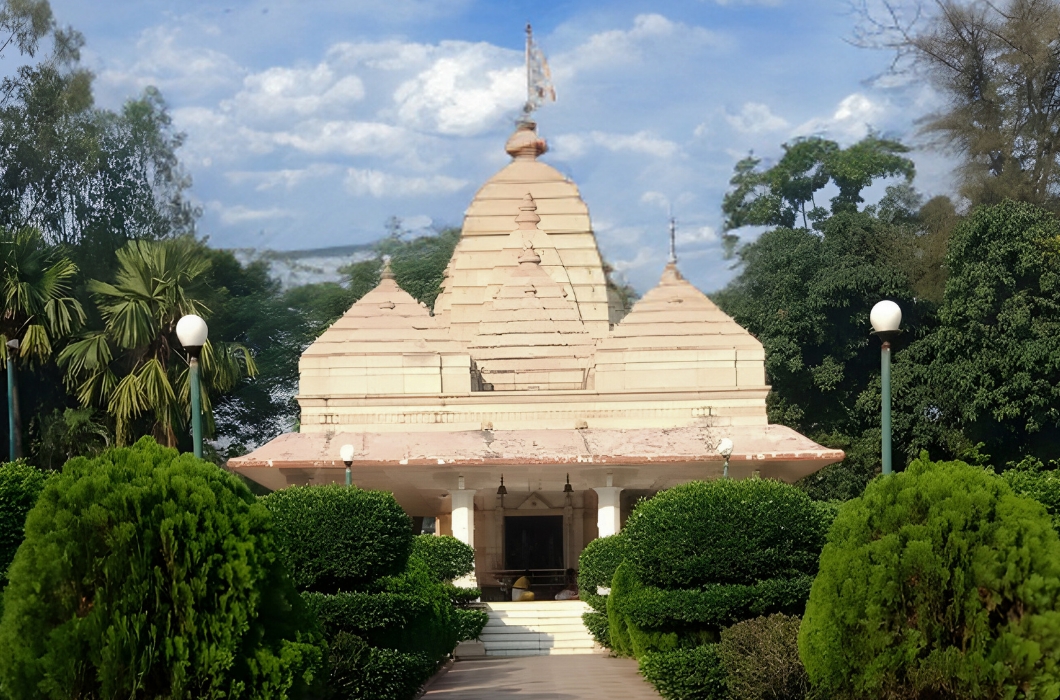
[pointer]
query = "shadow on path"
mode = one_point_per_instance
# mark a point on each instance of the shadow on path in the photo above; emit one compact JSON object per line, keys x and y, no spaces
{"x":561,"y":677}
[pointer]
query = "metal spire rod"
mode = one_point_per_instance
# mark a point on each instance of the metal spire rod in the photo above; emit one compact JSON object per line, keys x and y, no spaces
{"x":529,"y":75}
{"x":673,"y":240}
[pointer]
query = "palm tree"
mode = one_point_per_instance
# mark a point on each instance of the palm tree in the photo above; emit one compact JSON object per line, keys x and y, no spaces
{"x":38,"y":311}
{"x":135,"y":365}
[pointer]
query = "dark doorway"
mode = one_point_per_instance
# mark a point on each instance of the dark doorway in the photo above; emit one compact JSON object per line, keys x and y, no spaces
{"x":533,"y":542}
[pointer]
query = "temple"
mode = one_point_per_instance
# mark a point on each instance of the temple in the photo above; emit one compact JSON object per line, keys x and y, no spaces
{"x":529,"y":410}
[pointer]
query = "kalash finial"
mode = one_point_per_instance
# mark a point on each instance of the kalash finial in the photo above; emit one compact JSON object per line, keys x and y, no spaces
{"x":387,"y":273}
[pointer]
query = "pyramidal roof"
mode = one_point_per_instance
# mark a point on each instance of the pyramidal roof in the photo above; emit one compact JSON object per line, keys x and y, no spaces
{"x":530,"y":335}
{"x":674,"y":314}
{"x":386,"y":319}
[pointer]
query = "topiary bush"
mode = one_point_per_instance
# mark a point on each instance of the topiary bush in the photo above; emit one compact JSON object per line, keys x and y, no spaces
{"x":358,"y":670}
{"x":938,"y":582}
{"x":596,"y":568}
{"x":761,"y":659}
{"x":470,"y":623}
{"x":447,"y":557}
{"x":149,"y":574}
{"x":725,"y":531}
{"x":686,"y":674}
{"x":335,"y":538}
{"x":20,"y":485}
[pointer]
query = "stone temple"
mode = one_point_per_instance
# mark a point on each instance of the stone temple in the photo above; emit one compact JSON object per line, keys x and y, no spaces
{"x":529,"y":369}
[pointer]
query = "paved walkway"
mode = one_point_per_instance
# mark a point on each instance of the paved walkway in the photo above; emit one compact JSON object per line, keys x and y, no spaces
{"x":561,"y":677}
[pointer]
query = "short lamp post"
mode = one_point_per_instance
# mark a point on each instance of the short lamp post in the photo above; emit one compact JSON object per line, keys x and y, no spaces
{"x":725,"y":450}
{"x":192,"y":333}
{"x":346,"y":452}
{"x":886,"y":317}
{"x":14,"y":427}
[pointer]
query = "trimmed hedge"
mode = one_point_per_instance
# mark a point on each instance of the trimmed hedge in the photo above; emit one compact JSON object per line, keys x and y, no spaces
{"x":148,"y":574}
{"x":447,"y":557}
{"x":335,"y":538}
{"x":725,"y":531}
{"x":937,"y":582}
{"x":20,"y":486}
{"x":364,"y":613}
{"x":686,"y":674}
{"x":596,"y":623}
{"x":715,"y":605}
{"x":596,"y":568}
{"x":470,"y":623}
{"x":362,"y":671}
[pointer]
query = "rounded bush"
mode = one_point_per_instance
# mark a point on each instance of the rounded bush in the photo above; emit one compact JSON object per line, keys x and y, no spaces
{"x":147,"y":574}
{"x":938,"y":582}
{"x":761,"y":659}
{"x":686,"y":674}
{"x":335,"y":538}
{"x":596,"y":568}
{"x":725,"y":531}
{"x":447,"y":557}
{"x":20,"y":485}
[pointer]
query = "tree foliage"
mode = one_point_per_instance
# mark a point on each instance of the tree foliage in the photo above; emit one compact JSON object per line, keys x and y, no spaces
{"x":20,"y":486}
{"x":939,"y":582}
{"x":761,"y":659}
{"x":148,"y":574}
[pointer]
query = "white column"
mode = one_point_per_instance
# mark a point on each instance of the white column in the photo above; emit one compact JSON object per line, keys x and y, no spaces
{"x":464,"y":516}
{"x":464,"y":527}
{"x":609,"y":514}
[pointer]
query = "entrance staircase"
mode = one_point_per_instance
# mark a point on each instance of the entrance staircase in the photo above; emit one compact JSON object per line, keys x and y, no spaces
{"x":537,"y":628}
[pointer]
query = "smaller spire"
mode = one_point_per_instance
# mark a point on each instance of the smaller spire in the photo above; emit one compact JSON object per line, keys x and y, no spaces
{"x":387,"y":273}
{"x":528,"y":218}
{"x":529,"y":255}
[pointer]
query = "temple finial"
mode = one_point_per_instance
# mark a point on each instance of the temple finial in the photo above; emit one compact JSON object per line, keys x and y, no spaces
{"x":538,"y":77}
{"x":673,"y":240}
{"x":387,"y":273}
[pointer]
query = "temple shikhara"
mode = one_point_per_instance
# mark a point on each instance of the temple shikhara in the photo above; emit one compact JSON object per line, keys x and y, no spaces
{"x":529,"y":369}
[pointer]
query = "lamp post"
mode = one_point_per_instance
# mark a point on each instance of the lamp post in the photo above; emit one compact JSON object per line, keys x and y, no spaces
{"x":14,"y":417}
{"x":725,"y":450}
{"x":192,"y":333}
{"x":886,"y":317}
{"x":346,"y":452}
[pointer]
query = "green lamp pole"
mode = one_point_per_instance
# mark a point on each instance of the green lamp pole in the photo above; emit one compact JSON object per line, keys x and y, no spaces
{"x":14,"y":418}
{"x":192,"y":333}
{"x":886,"y":317}
{"x":346,"y":452}
{"x":725,"y":450}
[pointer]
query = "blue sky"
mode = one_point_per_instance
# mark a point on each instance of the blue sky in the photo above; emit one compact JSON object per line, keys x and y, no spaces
{"x":309,"y":123}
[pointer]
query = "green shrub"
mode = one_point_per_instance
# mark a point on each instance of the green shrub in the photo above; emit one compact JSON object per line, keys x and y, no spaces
{"x":596,"y":623}
{"x":433,"y":631}
{"x":938,"y":582}
{"x":713,"y":606}
{"x":147,"y":574}
{"x":725,"y":531}
{"x":20,"y":485}
{"x":339,"y":539}
{"x":1030,"y":478}
{"x":363,"y":613}
{"x":469,"y":623}
{"x":447,"y":557}
{"x":761,"y":659}
{"x":462,"y":596}
{"x":596,"y":568}
{"x":363,"y":672}
{"x":686,"y":674}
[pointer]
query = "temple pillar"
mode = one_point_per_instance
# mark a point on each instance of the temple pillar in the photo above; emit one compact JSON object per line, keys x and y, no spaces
{"x":464,"y":527}
{"x":609,"y":512}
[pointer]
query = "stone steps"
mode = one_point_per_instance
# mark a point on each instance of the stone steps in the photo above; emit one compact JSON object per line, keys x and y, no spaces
{"x":536,"y":629}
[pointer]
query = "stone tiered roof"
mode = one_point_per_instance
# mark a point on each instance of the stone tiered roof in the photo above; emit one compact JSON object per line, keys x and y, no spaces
{"x":675,"y":337}
{"x":531,"y":335}
{"x":473,"y":279}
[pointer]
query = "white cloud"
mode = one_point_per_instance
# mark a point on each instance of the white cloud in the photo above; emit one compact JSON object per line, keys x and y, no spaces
{"x":465,"y":89}
{"x":240,"y":214}
{"x":617,"y":47}
{"x":380,"y":184}
{"x":572,"y":146}
{"x":280,"y":92}
{"x":657,"y":199}
{"x":286,"y":179}
{"x":697,"y":234}
{"x":755,"y":118}
{"x":643,"y":258}
{"x":851,"y":121}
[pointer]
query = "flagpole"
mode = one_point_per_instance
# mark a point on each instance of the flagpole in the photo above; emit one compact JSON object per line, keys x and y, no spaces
{"x":529,"y":78}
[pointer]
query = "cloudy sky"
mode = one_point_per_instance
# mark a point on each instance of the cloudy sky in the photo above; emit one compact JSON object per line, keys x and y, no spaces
{"x":310,"y":122}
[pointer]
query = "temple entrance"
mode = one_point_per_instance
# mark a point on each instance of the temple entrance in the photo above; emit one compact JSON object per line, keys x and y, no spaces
{"x":533,"y":542}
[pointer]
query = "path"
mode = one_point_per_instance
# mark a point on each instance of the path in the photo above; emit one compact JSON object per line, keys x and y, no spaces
{"x":560,"y":677}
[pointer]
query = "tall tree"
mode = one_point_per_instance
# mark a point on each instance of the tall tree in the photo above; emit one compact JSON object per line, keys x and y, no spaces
{"x":997,"y":66}
{"x":135,"y":366}
{"x":38,"y":309}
